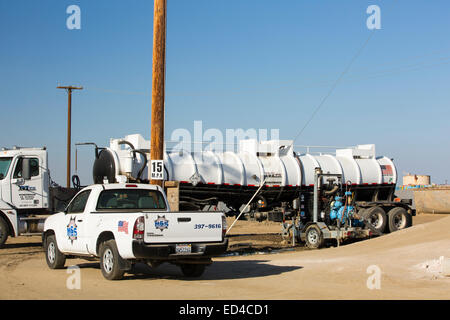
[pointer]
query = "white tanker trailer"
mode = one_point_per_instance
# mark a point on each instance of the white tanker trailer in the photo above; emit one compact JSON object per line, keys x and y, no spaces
{"x":352,"y":188}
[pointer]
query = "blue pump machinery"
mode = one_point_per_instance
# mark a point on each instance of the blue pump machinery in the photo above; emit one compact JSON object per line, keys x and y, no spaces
{"x":342,"y":210}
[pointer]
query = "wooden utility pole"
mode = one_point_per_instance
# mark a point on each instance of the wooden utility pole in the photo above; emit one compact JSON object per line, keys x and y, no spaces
{"x":69,"y":124}
{"x":159,"y":66}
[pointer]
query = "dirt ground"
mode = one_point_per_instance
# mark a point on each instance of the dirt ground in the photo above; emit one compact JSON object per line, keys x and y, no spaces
{"x":257,"y":266}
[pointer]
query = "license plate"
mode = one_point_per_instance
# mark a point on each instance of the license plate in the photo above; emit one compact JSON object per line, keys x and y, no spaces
{"x":183,"y":248}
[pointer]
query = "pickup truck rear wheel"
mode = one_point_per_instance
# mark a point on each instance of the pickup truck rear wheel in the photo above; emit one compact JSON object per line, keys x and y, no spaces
{"x":109,"y":261}
{"x":55,"y":259}
{"x":193,"y":270}
{"x":4,"y":232}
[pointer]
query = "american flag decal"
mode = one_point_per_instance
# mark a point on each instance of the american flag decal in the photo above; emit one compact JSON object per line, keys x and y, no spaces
{"x":386,"y":170}
{"x":123,"y":227}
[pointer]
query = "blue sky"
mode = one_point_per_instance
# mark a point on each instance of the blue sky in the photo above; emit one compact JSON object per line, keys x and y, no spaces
{"x":232,"y":64}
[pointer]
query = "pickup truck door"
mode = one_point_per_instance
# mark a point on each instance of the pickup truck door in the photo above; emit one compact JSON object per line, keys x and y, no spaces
{"x":72,"y":233}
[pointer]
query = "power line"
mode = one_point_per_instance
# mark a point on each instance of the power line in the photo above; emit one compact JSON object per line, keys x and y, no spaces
{"x":315,"y":84}
{"x":335,"y":85}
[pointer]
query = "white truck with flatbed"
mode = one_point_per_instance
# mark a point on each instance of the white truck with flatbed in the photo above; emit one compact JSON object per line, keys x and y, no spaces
{"x":123,"y":223}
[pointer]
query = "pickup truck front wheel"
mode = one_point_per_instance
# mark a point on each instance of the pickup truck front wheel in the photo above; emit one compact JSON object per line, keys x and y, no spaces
{"x":55,"y":259}
{"x":109,"y":261}
{"x":193,"y":270}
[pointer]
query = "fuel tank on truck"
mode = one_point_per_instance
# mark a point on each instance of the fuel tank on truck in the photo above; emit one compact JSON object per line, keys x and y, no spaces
{"x":240,"y":173}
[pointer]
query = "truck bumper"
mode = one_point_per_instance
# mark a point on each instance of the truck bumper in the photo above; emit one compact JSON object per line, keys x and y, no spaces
{"x":142,"y":250}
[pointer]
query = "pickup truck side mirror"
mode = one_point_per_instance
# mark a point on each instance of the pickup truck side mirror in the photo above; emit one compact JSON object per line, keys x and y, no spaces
{"x":26,"y":169}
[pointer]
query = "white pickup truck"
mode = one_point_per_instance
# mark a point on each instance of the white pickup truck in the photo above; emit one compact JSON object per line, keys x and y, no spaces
{"x":127,"y":223}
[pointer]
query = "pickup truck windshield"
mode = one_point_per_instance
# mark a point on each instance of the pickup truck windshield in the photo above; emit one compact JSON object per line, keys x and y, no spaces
{"x":4,"y":166}
{"x":130,"y":199}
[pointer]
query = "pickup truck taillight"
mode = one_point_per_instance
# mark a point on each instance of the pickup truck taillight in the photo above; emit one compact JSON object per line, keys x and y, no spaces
{"x":224,"y":226}
{"x":138,"y":229}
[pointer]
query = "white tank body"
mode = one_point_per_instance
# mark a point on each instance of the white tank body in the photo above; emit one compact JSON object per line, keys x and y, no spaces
{"x":273,"y":161}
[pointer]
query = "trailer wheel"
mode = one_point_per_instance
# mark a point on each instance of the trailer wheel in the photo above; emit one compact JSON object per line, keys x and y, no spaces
{"x":377,"y":218}
{"x":193,"y":270}
{"x":314,"y":237}
{"x":109,"y":261}
{"x":4,"y":232}
{"x":55,"y":259}
{"x":399,"y":219}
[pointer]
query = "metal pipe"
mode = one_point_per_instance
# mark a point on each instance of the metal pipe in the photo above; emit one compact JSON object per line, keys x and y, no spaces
{"x":90,"y":143}
{"x":317,"y":173}
{"x":293,"y":232}
{"x":69,"y":129}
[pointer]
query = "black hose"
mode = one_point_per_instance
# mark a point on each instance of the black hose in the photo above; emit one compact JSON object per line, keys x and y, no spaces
{"x":167,"y":173}
{"x":97,"y":154}
{"x":144,"y":164}
{"x":76,"y":181}
{"x":127,"y":143}
{"x":202,"y":200}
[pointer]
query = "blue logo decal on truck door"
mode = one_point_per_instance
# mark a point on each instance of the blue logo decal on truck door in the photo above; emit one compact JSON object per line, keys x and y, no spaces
{"x":72,"y":231}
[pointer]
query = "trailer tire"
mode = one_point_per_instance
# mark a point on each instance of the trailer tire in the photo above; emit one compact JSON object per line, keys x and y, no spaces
{"x":192,"y":270}
{"x":377,"y":218}
{"x":399,"y":219}
{"x":4,"y":232}
{"x":55,"y":258}
{"x":314,"y":237}
{"x":109,"y":261}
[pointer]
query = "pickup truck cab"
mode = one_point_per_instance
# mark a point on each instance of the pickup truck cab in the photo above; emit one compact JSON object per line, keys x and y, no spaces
{"x":127,"y":223}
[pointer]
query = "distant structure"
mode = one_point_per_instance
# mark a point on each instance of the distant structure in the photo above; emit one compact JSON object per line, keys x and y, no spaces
{"x":432,"y":200}
{"x":416,"y":180}
{"x":426,"y":198}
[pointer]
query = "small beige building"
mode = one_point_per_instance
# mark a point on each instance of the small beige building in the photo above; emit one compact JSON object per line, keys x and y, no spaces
{"x":416,"y":180}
